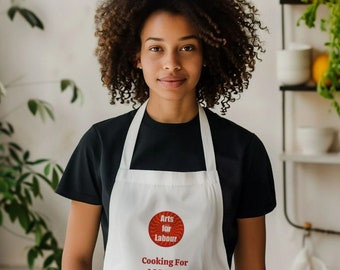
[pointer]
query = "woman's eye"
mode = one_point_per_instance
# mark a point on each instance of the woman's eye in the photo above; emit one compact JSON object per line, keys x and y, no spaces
{"x":155,"y":49}
{"x":187,"y":48}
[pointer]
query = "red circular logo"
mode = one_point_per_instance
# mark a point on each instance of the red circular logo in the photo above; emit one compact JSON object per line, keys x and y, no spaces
{"x":166,"y":229}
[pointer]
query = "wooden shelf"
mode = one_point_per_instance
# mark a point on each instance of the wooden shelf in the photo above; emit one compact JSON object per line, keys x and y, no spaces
{"x":302,"y":88}
{"x":292,"y":2}
{"x":327,"y":158}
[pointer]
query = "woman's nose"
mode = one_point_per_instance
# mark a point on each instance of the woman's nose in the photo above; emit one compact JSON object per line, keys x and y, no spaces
{"x":172,"y":62}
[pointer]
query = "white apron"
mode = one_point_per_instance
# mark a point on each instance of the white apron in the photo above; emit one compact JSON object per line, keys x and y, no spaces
{"x":162,"y":220}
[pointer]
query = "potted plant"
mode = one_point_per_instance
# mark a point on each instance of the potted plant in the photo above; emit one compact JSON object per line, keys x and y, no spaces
{"x":328,"y":86}
{"x":21,"y":176}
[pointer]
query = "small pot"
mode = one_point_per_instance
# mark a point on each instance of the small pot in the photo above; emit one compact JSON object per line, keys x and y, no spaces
{"x":315,"y":140}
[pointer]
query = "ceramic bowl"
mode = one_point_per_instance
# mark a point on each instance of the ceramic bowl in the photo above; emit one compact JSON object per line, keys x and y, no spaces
{"x":293,"y":75}
{"x":293,"y":65}
{"x":314,"y":140}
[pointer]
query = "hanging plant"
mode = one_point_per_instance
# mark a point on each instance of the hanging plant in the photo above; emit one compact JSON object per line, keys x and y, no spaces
{"x":329,"y":84}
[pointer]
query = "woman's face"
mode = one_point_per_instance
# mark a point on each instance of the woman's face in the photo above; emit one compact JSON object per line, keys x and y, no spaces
{"x":171,"y":56}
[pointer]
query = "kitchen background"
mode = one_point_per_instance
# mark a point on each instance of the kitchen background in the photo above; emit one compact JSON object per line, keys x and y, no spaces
{"x":65,"y":49}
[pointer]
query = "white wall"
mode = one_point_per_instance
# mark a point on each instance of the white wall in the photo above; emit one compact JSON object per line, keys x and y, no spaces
{"x":66,"y":49}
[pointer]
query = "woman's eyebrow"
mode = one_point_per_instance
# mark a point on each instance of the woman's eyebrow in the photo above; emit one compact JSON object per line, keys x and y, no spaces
{"x":181,"y":39}
{"x":189,"y":37}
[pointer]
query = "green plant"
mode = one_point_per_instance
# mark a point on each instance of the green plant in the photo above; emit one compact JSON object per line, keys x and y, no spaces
{"x":329,"y":85}
{"x":20,"y":185}
{"x":21,"y":176}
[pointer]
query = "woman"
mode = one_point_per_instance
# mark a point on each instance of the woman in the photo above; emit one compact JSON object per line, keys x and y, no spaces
{"x":173,"y":185}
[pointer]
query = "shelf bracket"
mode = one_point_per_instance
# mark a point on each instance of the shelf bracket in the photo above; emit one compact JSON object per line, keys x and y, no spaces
{"x":307,"y":226}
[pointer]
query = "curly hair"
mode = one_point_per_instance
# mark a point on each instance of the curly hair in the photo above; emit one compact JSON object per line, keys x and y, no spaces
{"x":228,"y":30}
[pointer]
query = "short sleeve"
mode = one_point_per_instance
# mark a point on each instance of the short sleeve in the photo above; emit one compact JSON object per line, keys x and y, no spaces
{"x":257,"y":190}
{"x":81,"y":178}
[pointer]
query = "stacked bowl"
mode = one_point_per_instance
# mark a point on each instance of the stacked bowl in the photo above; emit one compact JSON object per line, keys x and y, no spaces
{"x":293,"y":65}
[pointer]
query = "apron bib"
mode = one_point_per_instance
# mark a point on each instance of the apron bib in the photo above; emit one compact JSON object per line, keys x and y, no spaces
{"x":162,"y":220}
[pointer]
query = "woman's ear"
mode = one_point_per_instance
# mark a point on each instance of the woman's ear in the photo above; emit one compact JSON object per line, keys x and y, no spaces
{"x":138,"y":62}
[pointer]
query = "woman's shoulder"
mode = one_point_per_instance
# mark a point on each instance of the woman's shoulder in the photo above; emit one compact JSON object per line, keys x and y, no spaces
{"x":116,"y":123}
{"x":223,"y":126}
{"x":108,"y":131}
{"x":228,"y":134}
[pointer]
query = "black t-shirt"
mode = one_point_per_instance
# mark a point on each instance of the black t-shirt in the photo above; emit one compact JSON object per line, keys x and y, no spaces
{"x":241,"y":160}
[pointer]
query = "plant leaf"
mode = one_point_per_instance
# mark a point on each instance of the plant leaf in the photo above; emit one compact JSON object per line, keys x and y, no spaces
{"x":31,"y":256}
{"x":22,"y":177}
{"x":55,"y":179}
{"x":47,"y":169}
{"x":11,"y":210}
{"x":23,"y":217}
{"x":10,"y":127}
{"x":44,"y":240}
{"x":31,"y":226}
{"x":49,"y":112}
{"x":38,"y":235}
{"x":4,"y":186}
{"x":12,"y":11}
{"x":14,"y":145}
{"x":33,"y":106}
{"x":48,"y":261}
{"x":324,"y":91}
{"x":6,"y":128}
{"x":43,"y":177}
{"x":31,"y":18}
{"x":61,"y":170}
{"x":336,"y":105}
{"x":41,"y":111}
{"x":38,"y":161}
{"x":35,"y":187}
{"x":64,"y":84}
{"x":14,"y":155}
{"x":76,"y":92}
{"x":28,"y":197}
{"x":42,"y":107}
{"x":309,"y":15}
{"x":26,"y":155}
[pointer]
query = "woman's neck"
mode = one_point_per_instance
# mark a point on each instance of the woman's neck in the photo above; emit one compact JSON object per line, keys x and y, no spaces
{"x":172,"y":112}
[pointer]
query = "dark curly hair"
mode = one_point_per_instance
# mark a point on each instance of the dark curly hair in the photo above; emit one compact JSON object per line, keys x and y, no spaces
{"x":228,"y":30}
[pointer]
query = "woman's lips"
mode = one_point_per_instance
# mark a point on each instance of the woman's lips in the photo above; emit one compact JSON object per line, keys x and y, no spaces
{"x":171,"y":82}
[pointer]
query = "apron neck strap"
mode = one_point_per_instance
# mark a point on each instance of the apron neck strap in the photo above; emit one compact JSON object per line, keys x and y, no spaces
{"x":208,"y":146}
{"x":131,"y":138}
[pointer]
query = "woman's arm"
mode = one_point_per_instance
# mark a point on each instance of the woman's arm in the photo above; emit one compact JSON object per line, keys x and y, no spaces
{"x":251,"y":244}
{"x":81,"y":236}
